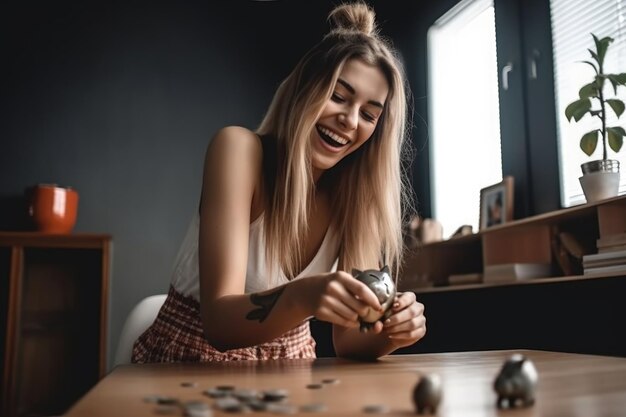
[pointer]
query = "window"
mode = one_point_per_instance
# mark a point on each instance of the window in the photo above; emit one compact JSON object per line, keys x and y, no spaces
{"x":538,"y":51}
{"x":464,"y":123}
{"x":571,"y":37}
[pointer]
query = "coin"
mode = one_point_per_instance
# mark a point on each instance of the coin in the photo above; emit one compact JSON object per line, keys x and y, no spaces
{"x":167,"y":401}
{"x":282,"y":408}
{"x":376,"y":409}
{"x":274,"y":395}
{"x":314,"y":386}
{"x":230,"y":405}
{"x":188,"y":384}
{"x":216,"y":393}
{"x":245,"y":394}
{"x":257,"y":405}
{"x":314,"y":408}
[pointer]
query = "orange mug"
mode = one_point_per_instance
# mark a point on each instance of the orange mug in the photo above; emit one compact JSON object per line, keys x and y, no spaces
{"x":53,"y":208}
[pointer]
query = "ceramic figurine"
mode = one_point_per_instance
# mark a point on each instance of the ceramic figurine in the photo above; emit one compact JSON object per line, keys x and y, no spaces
{"x":516,"y":382}
{"x":427,"y":394}
{"x":382,"y":285}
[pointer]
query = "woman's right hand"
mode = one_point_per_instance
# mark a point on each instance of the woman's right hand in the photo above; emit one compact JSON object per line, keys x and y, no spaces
{"x":338,"y":298}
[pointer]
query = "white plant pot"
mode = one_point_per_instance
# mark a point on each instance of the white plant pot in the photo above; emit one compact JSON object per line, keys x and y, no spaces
{"x":599,"y":185}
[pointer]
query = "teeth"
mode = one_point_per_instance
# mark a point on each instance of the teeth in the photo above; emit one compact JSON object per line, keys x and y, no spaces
{"x":333,"y":136}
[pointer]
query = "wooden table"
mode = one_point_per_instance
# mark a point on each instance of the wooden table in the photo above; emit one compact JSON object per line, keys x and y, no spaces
{"x":569,"y":384}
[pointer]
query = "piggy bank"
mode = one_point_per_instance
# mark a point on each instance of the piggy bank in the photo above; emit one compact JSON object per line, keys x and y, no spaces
{"x":516,"y":382}
{"x":427,"y":394}
{"x":384,"y":288}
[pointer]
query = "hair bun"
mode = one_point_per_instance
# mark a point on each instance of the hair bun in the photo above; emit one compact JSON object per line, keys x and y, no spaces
{"x":357,"y":17}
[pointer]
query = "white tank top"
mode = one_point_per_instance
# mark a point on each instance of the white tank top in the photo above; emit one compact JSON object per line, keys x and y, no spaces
{"x":186,"y":277}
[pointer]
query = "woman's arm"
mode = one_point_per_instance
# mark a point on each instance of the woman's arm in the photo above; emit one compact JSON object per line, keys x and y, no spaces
{"x":405,"y":326}
{"x":232,"y":319}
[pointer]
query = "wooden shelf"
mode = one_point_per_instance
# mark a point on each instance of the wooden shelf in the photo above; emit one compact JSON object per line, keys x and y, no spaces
{"x":46,"y":240}
{"x":54,"y":301}
{"x":529,"y":240}
{"x":534,"y":281}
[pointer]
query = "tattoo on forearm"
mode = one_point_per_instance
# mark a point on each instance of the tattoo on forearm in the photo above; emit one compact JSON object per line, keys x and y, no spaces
{"x":266,"y":302}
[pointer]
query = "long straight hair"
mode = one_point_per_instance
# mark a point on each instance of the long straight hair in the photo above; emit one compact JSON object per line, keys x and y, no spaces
{"x":370,"y":189}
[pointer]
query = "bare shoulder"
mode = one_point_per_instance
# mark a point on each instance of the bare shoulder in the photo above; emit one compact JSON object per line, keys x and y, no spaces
{"x":233,"y":168}
{"x":235,"y":140}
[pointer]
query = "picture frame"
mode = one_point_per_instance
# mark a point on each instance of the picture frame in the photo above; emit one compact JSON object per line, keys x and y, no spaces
{"x":496,"y":204}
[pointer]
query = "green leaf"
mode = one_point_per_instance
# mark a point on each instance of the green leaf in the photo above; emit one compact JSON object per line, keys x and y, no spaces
{"x":592,"y":65}
{"x":619,"y":130}
{"x":589,"y":90}
{"x":578,"y":109}
{"x":616,"y":105}
{"x":601,"y":46}
{"x":589,"y":142}
{"x":616,"y":137}
{"x":595,"y":39}
{"x":614,"y":81}
{"x":594,"y":56}
{"x":620,"y":78}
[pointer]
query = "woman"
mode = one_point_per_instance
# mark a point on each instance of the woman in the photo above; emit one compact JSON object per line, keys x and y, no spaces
{"x":316,"y":188}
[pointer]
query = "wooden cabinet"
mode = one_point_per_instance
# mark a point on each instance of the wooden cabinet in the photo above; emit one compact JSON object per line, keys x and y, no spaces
{"x":533,"y":240}
{"x":53,"y":313}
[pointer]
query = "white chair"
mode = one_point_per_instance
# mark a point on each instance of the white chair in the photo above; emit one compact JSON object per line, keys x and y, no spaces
{"x":138,"y":320}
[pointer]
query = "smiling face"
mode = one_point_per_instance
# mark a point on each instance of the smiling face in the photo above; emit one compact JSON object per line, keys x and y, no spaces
{"x":349,"y":116}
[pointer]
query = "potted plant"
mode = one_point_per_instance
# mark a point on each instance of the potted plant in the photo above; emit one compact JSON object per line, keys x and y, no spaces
{"x":600,"y":178}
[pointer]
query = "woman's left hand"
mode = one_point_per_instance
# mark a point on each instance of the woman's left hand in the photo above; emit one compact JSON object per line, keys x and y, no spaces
{"x":407,"y":323}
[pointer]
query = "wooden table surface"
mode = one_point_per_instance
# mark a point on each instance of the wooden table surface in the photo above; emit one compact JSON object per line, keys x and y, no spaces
{"x":569,"y":384}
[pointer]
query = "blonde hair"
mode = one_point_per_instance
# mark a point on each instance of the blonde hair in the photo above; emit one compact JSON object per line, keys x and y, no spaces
{"x":373,"y":190}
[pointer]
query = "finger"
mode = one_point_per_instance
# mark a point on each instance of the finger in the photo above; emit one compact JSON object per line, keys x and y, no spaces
{"x":340,"y":308}
{"x":326,"y":314}
{"x":409,"y":337}
{"x":403,"y":300}
{"x":413,"y":310}
{"x":377,"y":328}
{"x":359,"y":290}
{"x":337,"y":290}
{"x":407,"y":326}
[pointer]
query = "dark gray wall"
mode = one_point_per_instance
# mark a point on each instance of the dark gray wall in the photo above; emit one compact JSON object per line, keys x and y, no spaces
{"x":120,"y":99}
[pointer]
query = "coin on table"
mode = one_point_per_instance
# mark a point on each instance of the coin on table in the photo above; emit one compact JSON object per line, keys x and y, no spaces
{"x":376,"y":409}
{"x":151,"y":399}
{"x":245,"y":395}
{"x":225,"y":387}
{"x":197,"y":409}
{"x":273,"y":395}
{"x":314,"y":386}
{"x":230,"y":405}
{"x":257,"y":405}
{"x":216,"y":393}
{"x":189,"y":384}
{"x":330,"y":381}
{"x":282,"y":408}
{"x":167,"y":400}
{"x":314,"y":408}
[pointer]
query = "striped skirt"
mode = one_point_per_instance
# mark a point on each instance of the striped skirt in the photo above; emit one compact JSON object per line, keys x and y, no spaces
{"x":177,"y":336}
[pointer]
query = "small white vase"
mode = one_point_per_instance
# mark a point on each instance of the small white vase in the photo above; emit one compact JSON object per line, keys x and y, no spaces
{"x":600,"y":185}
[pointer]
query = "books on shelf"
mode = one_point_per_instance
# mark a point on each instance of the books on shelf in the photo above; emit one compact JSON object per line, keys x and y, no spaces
{"x":516,"y":272}
{"x":605,"y":269}
{"x":611,"y":243}
{"x":612,"y":261}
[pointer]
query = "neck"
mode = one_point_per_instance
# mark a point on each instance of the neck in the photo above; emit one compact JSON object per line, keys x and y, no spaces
{"x":317,"y":173}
